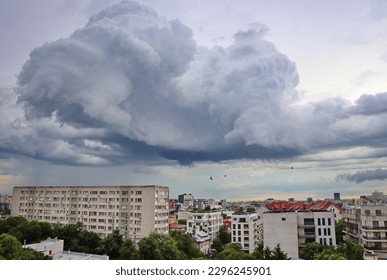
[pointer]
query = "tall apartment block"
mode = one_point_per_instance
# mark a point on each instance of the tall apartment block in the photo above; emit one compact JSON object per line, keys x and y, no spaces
{"x":134,"y":210}
{"x":367,"y":225}
{"x":246,"y":230}
{"x":293,"y":230}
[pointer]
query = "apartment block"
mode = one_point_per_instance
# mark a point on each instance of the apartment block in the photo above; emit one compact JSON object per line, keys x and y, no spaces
{"x":209,"y":222}
{"x":245,"y":230}
{"x":293,"y":230}
{"x":367,"y":225}
{"x":134,"y":210}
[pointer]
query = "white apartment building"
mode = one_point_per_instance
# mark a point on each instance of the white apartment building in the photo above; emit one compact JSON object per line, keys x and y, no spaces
{"x":209,"y":222}
{"x":292,"y":230}
{"x":134,"y":210}
{"x":246,"y":230}
{"x":367,"y":225}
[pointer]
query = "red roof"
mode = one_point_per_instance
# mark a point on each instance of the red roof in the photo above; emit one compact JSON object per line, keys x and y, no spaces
{"x":299,"y":206}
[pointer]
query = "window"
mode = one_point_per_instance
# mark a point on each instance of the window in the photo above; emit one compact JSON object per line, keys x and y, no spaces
{"x":283,"y":219}
{"x":319,"y":231}
{"x":329,"y":231}
{"x":329,"y":221}
{"x":323,"y":221}
{"x":367,"y":212}
{"x":309,"y":221}
{"x":325,"y":231}
{"x":319,"y":221}
{"x":330,"y":242}
{"x":378,"y":212}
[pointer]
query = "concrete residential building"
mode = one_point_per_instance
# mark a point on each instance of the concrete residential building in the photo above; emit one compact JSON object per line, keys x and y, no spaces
{"x":367,"y":225}
{"x":245,"y":230}
{"x":209,"y":222}
{"x":134,"y":210}
{"x":293,"y":230}
{"x":352,"y":224}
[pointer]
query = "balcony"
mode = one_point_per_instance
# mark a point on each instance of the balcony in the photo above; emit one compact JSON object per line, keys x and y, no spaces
{"x":374,"y":238}
{"x":307,"y":235}
{"x":374,"y":228}
{"x":375,"y":248}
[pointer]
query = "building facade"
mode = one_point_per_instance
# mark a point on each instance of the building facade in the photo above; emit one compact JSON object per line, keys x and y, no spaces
{"x":245,"y":230}
{"x":367,"y":225}
{"x":209,"y":222}
{"x":134,"y":210}
{"x":293,"y":230}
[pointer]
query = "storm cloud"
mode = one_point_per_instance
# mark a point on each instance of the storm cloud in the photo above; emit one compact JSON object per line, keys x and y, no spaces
{"x":132,"y":85}
{"x":362,"y":176}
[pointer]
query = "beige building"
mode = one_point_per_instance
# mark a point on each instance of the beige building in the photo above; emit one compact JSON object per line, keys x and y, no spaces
{"x":293,"y":230}
{"x":134,"y":210}
{"x":367,"y":225}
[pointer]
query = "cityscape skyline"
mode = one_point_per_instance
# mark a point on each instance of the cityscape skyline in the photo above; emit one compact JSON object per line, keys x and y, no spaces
{"x":243,"y":102}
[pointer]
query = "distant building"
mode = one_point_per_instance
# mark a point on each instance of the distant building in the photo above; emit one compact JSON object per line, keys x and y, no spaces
{"x":134,"y":210}
{"x":5,"y":203}
{"x":54,"y":249}
{"x":293,"y":230}
{"x":336,"y":196}
{"x":186,"y":200}
{"x":377,"y":197}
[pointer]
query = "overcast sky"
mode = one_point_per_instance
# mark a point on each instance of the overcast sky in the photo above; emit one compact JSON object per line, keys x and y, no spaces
{"x":269,"y":98}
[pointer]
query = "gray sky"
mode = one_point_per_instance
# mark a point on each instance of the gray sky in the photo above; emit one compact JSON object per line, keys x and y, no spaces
{"x":173,"y":92}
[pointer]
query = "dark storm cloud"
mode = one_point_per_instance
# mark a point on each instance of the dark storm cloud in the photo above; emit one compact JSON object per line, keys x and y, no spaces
{"x":370,"y":104}
{"x":362,"y":176}
{"x":132,"y":85}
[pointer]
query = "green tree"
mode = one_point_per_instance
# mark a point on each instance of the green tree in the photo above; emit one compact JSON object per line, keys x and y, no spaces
{"x":224,"y":236}
{"x":351,"y":251}
{"x":158,"y":246}
{"x":111,"y":245}
{"x":329,"y":254}
{"x":217,"y":244}
{"x":278,"y":254}
{"x":86,"y":242}
{"x":128,"y":251}
{"x":69,"y":234}
{"x":339,"y":227}
{"x":234,"y":252}
{"x":185,"y":244}
{"x":310,"y":250}
{"x":10,"y":247}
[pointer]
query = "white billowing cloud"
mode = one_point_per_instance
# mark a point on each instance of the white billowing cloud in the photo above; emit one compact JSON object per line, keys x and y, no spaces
{"x":132,"y":85}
